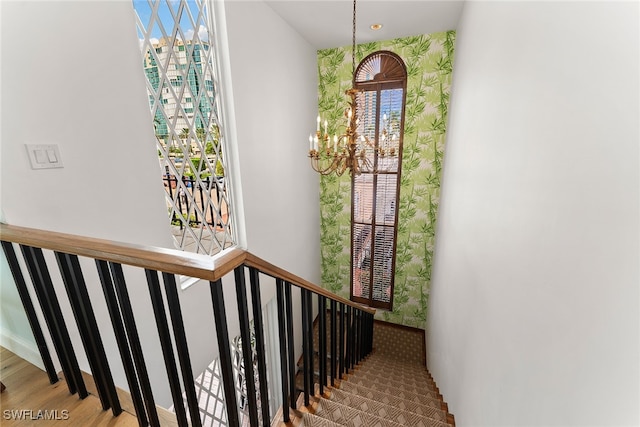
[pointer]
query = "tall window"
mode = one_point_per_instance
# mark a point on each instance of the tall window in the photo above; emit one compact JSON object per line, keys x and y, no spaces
{"x":179,"y":61}
{"x":381,"y":78}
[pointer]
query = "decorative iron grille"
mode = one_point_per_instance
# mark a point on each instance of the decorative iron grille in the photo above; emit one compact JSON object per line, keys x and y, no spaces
{"x":179,"y":61}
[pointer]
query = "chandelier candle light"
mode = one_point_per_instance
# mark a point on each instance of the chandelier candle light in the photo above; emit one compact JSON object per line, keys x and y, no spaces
{"x":343,"y":152}
{"x":347,"y":151}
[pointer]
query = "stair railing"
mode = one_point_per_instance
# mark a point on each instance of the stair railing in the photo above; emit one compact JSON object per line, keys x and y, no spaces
{"x":351,"y":334}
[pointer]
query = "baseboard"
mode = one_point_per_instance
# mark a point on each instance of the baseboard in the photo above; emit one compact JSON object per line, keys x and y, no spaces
{"x":18,"y":346}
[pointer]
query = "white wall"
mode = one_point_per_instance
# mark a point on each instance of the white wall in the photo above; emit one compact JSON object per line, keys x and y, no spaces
{"x":74,"y":79}
{"x":533,"y":316}
{"x":274,"y":77}
{"x":275,"y":100}
{"x":71,"y":76}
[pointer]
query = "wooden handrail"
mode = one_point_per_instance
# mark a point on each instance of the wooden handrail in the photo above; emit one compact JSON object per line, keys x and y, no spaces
{"x":277,"y":272}
{"x":160,"y":259}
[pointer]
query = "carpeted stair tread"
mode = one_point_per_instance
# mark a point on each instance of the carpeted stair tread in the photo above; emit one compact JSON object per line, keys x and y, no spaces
{"x":416,"y":374}
{"x":367,"y":379}
{"x":310,"y":420}
{"x":389,"y":373}
{"x":412,"y":397}
{"x":397,"y":366}
{"x":350,"y":417}
{"x":390,"y":387}
{"x":437,"y":418}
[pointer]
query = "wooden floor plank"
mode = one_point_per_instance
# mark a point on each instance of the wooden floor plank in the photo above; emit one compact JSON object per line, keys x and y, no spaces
{"x":30,"y":400}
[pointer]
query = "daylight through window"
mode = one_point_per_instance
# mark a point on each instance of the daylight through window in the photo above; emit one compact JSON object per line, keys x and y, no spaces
{"x":381,"y":78}
{"x":178,"y":57}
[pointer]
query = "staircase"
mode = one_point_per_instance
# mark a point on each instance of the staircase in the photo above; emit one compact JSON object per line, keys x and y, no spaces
{"x":381,"y":392}
{"x":369,"y":373}
{"x":389,"y":388}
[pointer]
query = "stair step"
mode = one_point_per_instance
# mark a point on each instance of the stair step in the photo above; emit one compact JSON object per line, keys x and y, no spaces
{"x":391,"y":396}
{"x":404,"y":366}
{"x":373,"y":381}
{"x":349,"y":417}
{"x":413,"y":371}
{"x":388,"y":388}
{"x":417,"y":380}
{"x":375,"y":407}
{"x":311,"y":420}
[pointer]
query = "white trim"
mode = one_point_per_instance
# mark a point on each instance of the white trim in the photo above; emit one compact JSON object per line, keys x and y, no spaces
{"x":225,"y":91}
{"x":17,"y":345}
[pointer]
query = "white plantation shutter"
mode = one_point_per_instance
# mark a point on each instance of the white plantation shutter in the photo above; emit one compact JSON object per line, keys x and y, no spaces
{"x":381,"y":78}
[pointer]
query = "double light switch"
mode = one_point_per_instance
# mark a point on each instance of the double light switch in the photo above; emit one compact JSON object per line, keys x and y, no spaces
{"x":44,"y":156}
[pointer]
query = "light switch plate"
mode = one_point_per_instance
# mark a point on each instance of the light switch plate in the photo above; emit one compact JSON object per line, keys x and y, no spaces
{"x":44,"y":156}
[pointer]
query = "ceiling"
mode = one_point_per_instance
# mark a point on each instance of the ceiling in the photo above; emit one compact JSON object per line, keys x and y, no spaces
{"x":328,"y":23}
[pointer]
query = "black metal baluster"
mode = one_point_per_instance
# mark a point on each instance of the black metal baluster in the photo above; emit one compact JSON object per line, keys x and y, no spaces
{"x":258,"y":326}
{"x":365,"y":333}
{"x":334,"y":338}
{"x":358,"y":336}
{"x":170,"y":189}
{"x":179,"y":195}
{"x":341,"y":342}
{"x":349,"y":339}
{"x":195,"y":186}
{"x":371,"y":329}
{"x":186,"y":200}
{"x":30,"y":311}
{"x":171,"y":289}
{"x":53,"y":316}
{"x":134,"y":341}
{"x":282,"y":335}
{"x":305,"y":345}
{"x":354,"y":325}
{"x":224,"y":348}
{"x":208,"y":183}
{"x":361,"y":333}
{"x":363,"y":343}
{"x":121,"y":341}
{"x":322,"y":342}
{"x":247,"y":353}
{"x":309,"y":312}
{"x":165,"y":343}
{"x":354,"y":338}
{"x":89,"y":334}
{"x":219,"y":207}
{"x":290,"y":345}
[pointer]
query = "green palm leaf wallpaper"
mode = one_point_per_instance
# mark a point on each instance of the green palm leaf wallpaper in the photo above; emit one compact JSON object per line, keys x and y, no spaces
{"x":429,"y":60}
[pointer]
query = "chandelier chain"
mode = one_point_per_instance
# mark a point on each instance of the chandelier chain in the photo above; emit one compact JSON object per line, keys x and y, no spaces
{"x":350,"y":151}
{"x":353,"y":46}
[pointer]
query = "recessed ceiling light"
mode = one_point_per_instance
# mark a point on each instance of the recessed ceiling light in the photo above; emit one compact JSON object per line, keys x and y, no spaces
{"x":375,"y":27}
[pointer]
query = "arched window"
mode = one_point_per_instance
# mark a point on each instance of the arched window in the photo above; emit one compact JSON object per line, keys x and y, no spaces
{"x":381,"y":79}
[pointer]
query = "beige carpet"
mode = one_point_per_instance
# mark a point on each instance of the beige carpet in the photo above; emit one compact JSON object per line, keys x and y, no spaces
{"x":390,"y":388}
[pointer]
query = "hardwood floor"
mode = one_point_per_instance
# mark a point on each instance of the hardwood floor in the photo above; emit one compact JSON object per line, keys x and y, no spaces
{"x":29,"y":395}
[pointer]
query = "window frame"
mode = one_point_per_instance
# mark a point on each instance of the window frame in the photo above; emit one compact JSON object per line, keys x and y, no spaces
{"x":167,"y":52}
{"x":377,"y":84}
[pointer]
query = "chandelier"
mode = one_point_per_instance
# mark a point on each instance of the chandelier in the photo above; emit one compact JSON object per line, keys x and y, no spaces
{"x":347,"y":151}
